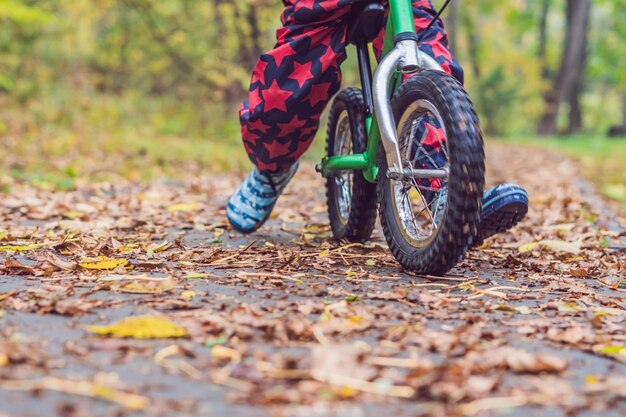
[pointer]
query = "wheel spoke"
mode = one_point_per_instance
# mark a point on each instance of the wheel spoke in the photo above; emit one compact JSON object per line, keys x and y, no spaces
{"x":422,"y":163}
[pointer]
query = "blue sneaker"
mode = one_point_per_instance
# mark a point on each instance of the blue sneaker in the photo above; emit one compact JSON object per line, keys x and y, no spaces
{"x":504,"y":206}
{"x":251,"y":205}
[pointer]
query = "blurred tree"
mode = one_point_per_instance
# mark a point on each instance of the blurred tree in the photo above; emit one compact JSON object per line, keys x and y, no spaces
{"x":608,"y":62}
{"x":568,"y":83}
{"x":184,"y":56}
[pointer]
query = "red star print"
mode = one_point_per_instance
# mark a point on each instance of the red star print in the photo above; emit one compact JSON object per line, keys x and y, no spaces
{"x":277,"y":149}
{"x":319,"y":92}
{"x":301,"y":5}
{"x":329,"y":59}
{"x":439,"y":50}
{"x":259,"y":125}
{"x":302,"y":72}
{"x":293,"y":124}
{"x":259,"y":72}
{"x":250,"y":138}
{"x":276,"y":97}
{"x":266,"y":166}
{"x":282,"y":52}
{"x":309,"y":131}
{"x":254,"y":98}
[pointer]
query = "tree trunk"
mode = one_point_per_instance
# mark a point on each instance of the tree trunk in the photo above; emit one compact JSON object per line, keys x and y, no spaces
{"x":568,"y":82}
{"x":575,"y":112}
{"x":255,"y":33}
{"x":467,"y":18}
{"x":543,"y":39}
{"x":452,"y":26}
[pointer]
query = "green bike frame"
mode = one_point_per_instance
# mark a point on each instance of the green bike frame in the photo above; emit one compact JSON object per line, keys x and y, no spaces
{"x":400,"y":55}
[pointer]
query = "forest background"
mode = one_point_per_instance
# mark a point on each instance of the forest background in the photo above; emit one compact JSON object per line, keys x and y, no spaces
{"x":144,"y":89}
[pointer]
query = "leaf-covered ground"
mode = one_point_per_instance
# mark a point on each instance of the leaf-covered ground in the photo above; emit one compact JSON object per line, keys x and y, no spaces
{"x":125,"y":299}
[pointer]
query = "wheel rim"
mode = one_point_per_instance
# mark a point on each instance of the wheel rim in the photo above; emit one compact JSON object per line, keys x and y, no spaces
{"x":342,"y":181}
{"x":420,"y":204}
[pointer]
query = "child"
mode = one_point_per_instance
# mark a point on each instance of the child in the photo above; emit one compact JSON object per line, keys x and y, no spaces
{"x":292,"y":84}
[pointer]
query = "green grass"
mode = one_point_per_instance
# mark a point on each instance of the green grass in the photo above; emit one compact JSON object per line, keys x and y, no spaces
{"x":63,"y":138}
{"x":602,"y":160}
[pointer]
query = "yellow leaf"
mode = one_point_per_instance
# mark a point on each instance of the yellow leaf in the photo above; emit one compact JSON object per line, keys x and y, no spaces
{"x":570,"y":307}
{"x":591,"y":379}
{"x":561,"y":246}
{"x":195,"y":275}
{"x":187,"y":295}
{"x":157,"y":247}
{"x":505,"y":307}
{"x":316,"y":228}
{"x":527,"y":247}
{"x":103,"y":262}
{"x":370,"y":262}
{"x":3,"y":234}
{"x":184,"y":207}
{"x":323,"y":254}
{"x":4,"y":360}
{"x":217,"y":233}
{"x":127,"y":248}
{"x":324,"y":317}
{"x":73,"y":214}
{"x":552,"y":245}
{"x":225,"y":353}
{"x":346,"y":392}
{"x":616,"y":352}
{"x":20,"y":248}
{"x":141,"y":327}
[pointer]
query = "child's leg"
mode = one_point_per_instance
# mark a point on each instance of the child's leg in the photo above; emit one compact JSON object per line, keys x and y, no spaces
{"x":293,"y":82}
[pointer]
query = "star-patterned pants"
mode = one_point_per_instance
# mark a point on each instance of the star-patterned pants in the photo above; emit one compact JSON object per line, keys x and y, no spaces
{"x":292,"y":84}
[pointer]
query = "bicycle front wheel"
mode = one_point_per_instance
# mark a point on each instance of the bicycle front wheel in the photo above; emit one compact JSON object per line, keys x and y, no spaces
{"x":430,"y":212}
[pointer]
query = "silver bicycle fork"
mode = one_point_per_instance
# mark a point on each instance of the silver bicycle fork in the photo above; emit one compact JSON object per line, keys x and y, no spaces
{"x":405,"y":57}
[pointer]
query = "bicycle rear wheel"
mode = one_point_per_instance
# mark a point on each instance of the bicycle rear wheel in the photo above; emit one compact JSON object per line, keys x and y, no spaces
{"x":431,"y":211}
{"x":351,"y":198}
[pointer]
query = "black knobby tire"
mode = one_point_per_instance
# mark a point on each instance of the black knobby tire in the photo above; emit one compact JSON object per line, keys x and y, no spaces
{"x":458,"y":228}
{"x":358,"y":224}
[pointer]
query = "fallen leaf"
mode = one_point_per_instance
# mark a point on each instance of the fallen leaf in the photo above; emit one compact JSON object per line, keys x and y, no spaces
{"x":140,"y":284}
{"x":85,"y":388}
{"x":141,"y":327}
{"x":184,"y":207}
{"x":198,"y":275}
{"x":614,"y":351}
{"x":222,"y":352}
{"x":187,"y":295}
{"x":552,"y":245}
{"x":20,"y":248}
{"x":103,"y":262}
{"x":157,"y":247}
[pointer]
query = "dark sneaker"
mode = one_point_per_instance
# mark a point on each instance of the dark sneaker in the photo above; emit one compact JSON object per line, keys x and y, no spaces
{"x":251,"y":205}
{"x":503,"y":207}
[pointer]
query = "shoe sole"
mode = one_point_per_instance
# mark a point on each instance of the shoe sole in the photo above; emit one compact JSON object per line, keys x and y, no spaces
{"x":502,"y":219}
